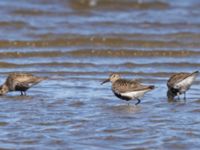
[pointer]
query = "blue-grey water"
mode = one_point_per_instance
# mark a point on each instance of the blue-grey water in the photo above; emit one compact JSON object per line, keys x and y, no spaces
{"x":77,"y":44}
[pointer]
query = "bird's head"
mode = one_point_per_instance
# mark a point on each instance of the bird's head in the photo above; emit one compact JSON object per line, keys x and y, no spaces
{"x":112,"y":78}
{"x":3,"y":89}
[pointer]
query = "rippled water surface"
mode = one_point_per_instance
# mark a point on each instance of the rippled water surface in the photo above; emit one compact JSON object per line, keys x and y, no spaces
{"x":77,"y":43}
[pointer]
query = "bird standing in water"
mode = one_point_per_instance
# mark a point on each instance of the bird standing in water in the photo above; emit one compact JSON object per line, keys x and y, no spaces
{"x":127,"y":89}
{"x":179,"y":83}
{"x":19,"y":82}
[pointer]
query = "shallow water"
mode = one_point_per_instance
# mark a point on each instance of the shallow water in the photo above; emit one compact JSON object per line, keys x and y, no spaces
{"x":77,"y":44}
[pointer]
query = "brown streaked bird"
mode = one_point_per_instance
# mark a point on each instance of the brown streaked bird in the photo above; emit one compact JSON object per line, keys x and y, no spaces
{"x":19,"y":82}
{"x":179,"y":83}
{"x":127,"y":89}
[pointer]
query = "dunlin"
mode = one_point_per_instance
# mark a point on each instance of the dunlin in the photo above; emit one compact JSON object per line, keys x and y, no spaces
{"x":19,"y":82}
{"x":179,"y":83}
{"x":127,"y":89}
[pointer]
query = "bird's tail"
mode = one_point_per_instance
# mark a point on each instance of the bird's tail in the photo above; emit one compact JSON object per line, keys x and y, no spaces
{"x":39,"y":79}
{"x":44,"y":78}
{"x":195,"y":73}
{"x":151,"y":87}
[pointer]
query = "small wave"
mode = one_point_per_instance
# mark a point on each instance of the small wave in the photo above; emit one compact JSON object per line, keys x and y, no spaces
{"x":99,"y":53}
{"x":117,"y":4}
{"x":30,"y":54}
{"x":54,"y":64}
{"x":15,"y":24}
{"x":30,"y":12}
{"x":132,"y":53}
{"x":70,"y":64}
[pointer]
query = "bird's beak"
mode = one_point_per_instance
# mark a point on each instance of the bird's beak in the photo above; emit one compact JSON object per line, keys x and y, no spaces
{"x":107,"y":80}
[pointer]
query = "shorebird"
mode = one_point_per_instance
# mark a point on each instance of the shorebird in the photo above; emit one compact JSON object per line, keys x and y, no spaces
{"x":179,"y":83}
{"x":127,"y":89}
{"x":19,"y":82}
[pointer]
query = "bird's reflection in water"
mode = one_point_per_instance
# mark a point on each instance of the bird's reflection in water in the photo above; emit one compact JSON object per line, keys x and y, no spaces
{"x":125,"y":108}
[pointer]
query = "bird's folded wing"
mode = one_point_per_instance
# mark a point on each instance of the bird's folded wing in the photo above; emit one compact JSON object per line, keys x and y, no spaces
{"x":176,"y":78}
{"x":122,"y":86}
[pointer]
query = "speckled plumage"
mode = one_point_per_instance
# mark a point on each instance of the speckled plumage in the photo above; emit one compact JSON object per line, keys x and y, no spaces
{"x":127,"y":89}
{"x":179,"y":83}
{"x":19,"y":82}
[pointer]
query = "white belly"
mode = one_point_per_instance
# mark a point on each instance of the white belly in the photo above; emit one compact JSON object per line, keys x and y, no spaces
{"x":135,"y":94}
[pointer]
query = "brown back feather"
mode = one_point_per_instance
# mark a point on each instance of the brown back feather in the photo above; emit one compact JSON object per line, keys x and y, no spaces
{"x":16,"y":78}
{"x":123,"y":85}
{"x":178,"y":77}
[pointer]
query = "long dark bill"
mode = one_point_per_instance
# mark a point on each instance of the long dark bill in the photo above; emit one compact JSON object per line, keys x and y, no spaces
{"x":107,"y":80}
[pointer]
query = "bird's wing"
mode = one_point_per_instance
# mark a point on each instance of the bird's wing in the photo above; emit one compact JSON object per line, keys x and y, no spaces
{"x":22,"y":80}
{"x":19,"y":77}
{"x":176,"y":78}
{"x":122,"y":86}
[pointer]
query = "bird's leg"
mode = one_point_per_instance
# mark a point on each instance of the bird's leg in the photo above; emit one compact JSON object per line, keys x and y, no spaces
{"x":21,"y":93}
{"x":178,"y":94}
{"x":138,"y":101}
{"x":25,"y":93}
{"x":184,"y":95}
